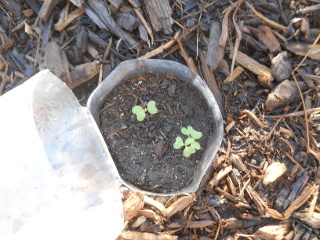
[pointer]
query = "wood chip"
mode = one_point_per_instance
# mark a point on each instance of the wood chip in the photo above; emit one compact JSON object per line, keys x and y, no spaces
{"x":283,"y":94}
{"x":214,"y":54}
{"x":274,"y":231}
{"x":222,"y":174}
{"x":148,"y":213}
{"x":66,"y":18}
{"x":302,"y":49}
{"x":159,"y":12}
{"x":266,"y":20}
{"x":273,"y":172}
{"x":267,"y":37}
{"x":140,"y":220}
{"x":132,"y":205}
{"x":253,"y":118}
{"x":46,"y":9}
{"x":235,"y":74}
{"x":179,"y":205}
{"x":131,"y":235}
{"x":281,"y":66}
{"x":264,"y":73}
{"x":191,"y":224}
{"x":154,"y":203}
{"x":211,"y":81}
{"x":300,"y":200}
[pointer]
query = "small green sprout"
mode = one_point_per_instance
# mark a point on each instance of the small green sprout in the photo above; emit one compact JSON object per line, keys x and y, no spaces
{"x":190,"y":144}
{"x":141,"y":113}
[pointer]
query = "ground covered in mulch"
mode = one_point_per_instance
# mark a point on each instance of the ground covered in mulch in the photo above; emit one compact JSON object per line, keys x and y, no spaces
{"x":259,"y":58}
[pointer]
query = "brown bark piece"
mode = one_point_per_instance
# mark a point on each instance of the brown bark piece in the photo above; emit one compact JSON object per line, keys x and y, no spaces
{"x":46,"y":10}
{"x":238,"y":163}
{"x":179,"y":205}
{"x":214,"y":54}
{"x":191,"y":224}
{"x":264,"y":73}
{"x":154,"y":204}
{"x":256,"y":121}
{"x":115,"y":5}
{"x":81,"y":42}
{"x":249,"y":40}
{"x":266,"y":20}
{"x":99,"y":12}
{"x":235,"y":74}
{"x":222,"y":174}
{"x":56,"y":61}
{"x":139,"y":221}
{"x":15,"y":6}
{"x":148,"y":213}
{"x":65,"y":19}
{"x":82,"y":73}
{"x":267,"y":37}
{"x":281,"y":66}
{"x":302,"y":49}
{"x":132,"y":235}
{"x":273,"y":172}
{"x":6,"y":42}
{"x":211,"y":81}
{"x":261,"y":205}
{"x":126,"y":21}
{"x":283,"y":94}
{"x":132,"y":205}
{"x":305,"y":28}
{"x":300,"y":200}
{"x":313,"y":222}
{"x":274,"y":231}
{"x":159,"y":12}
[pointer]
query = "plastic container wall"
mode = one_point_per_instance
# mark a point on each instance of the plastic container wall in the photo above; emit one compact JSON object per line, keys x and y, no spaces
{"x":56,"y":177}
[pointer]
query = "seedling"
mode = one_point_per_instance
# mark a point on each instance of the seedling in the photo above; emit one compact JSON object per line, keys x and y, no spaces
{"x":190,"y":144}
{"x":141,"y":112}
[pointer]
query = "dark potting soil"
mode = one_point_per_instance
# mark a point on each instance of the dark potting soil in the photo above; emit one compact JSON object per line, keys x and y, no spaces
{"x":143,"y":151}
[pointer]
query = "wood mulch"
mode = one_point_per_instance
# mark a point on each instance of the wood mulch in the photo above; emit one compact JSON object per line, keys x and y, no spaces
{"x":261,"y":59}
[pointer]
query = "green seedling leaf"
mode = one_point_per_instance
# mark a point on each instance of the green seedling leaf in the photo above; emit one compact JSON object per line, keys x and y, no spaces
{"x":138,"y":110}
{"x":195,"y":134}
{"x":151,"y":106}
{"x":178,"y":143}
{"x":141,"y":116}
{"x":186,"y":131}
{"x":188,"y":151}
{"x":195,"y":145}
{"x":189,"y":141}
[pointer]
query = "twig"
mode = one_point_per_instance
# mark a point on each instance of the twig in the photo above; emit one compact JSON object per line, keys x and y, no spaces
{"x":238,"y":39}
{"x":186,"y":57}
{"x":161,"y":48}
{"x":266,"y":20}
{"x":143,"y":21}
{"x":296,"y":114}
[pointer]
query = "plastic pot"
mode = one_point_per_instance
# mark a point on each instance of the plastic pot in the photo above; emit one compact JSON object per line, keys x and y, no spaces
{"x":133,"y":68}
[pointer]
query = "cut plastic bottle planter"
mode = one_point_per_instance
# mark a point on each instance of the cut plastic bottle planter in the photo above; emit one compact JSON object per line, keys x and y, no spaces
{"x":133,"y":68}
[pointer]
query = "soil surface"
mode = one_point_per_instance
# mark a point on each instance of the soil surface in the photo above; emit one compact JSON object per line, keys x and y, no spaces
{"x":143,"y":151}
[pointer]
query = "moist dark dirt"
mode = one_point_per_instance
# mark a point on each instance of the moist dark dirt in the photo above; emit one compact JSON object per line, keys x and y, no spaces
{"x":143,"y":151}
